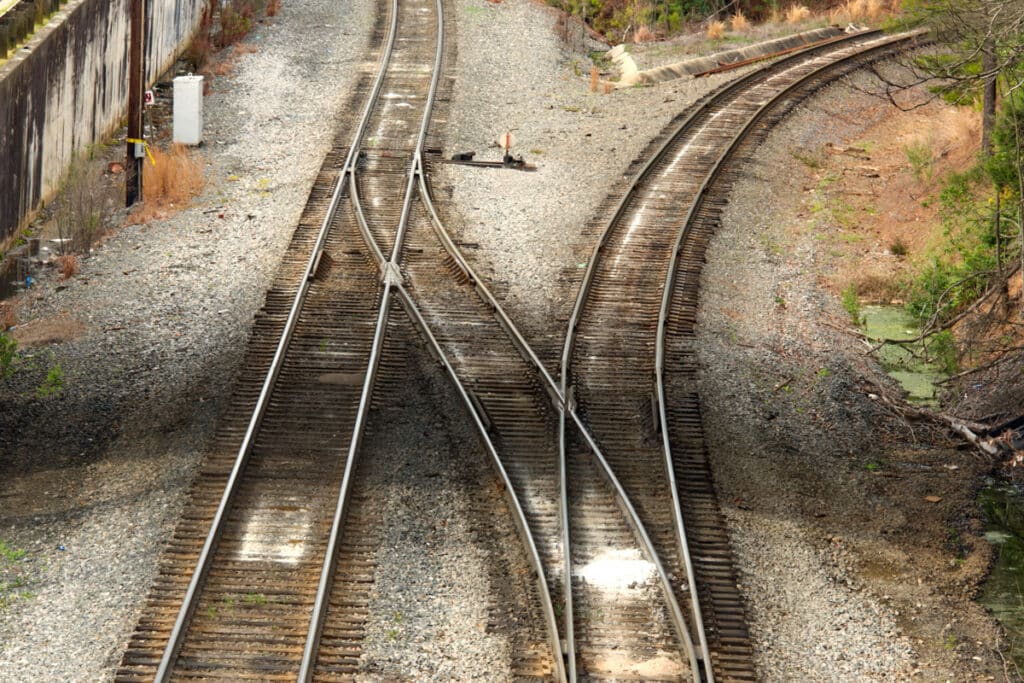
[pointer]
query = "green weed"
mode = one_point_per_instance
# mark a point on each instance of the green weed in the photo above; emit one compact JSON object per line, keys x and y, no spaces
{"x":9,"y":554}
{"x":851,"y":302}
{"x":53,"y":384}
{"x":922,"y":160}
{"x":8,"y":355}
{"x":807,"y":159}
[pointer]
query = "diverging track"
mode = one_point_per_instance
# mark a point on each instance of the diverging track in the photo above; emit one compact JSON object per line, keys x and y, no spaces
{"x":269,"y":571}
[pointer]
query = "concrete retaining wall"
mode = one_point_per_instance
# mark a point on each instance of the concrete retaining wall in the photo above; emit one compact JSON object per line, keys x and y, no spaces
{"x":69,"y":88}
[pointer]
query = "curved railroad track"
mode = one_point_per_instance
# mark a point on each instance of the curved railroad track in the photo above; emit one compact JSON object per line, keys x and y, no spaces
{"x":639,"y":297}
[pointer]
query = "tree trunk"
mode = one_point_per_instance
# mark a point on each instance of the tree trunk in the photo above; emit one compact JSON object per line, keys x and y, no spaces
{"x":998,"y":233}
{"x":988,"y":107}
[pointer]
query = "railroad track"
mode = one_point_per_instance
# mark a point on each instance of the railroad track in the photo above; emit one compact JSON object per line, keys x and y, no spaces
{"x":244,"y":589}
{"x":259,"y":582}
{"x":630,"y":334}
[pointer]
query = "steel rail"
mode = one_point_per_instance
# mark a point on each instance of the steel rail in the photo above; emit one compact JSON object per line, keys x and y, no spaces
{"x":669,"y":286}
{"x":392,"y":279}
{"x":589,"y":274}
{"x":188,"y":605}
{"x":565,"y":408}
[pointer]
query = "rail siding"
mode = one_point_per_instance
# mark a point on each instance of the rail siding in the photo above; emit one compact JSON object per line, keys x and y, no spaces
{"x":67,"y":88}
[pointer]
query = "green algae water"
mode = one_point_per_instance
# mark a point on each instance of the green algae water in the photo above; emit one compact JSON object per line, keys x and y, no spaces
{"x":917,"y":376}
{"x":1003,"y":590}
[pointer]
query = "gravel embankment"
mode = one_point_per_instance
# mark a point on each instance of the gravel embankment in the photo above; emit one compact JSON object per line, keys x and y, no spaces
{"x":849,"y":572}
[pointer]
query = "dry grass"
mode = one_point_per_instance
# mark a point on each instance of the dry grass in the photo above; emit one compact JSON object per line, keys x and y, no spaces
{"x":8,"y":315}
{"x":42,"y":331}
{"x":873,"y":11}
{"x":593,"y":78}
{"x":739,"y":22}
{"x":169,"y":184}
{"x":965,"y":125}
{"x":174,"y":178}
{"x":876,"y":288}
{"x":716,"y":30}
{"x":644,"y":35}
{"x":797,"y":13}
{"x":273,"y":7}
{"x":856,"y":9}
{"x":67,"y":264}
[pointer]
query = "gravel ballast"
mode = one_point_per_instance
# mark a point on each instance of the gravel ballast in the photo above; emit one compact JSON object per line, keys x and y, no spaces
{"x":92,"y":480}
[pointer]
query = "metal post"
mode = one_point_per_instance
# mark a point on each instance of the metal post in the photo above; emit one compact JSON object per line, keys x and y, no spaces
{"x":136,"y":78}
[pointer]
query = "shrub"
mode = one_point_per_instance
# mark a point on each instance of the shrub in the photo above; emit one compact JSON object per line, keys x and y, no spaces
{"x":898,"y":247}
{"x":67,"y":264}
{"x":643,"y":35}
{"x":8,"y":316}
{"x":797,"y":13}
{"x":739,"y":22}
{"x":53,"y":384}
{"x":716,"y":30}
{"x":83,"y":209}
{"x":8,"y":354}
{"x":235,"y":21}
{"x":199,"y":52}
{"x":942,"y":350}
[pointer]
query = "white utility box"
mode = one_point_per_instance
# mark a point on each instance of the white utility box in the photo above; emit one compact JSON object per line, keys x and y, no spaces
{"x":188,"y":109}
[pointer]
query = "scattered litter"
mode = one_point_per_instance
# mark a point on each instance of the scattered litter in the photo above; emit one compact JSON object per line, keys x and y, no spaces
{"x":933,"y":499}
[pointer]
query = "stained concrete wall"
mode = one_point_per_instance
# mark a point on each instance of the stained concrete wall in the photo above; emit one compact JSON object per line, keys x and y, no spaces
{"x":69,"y":89}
